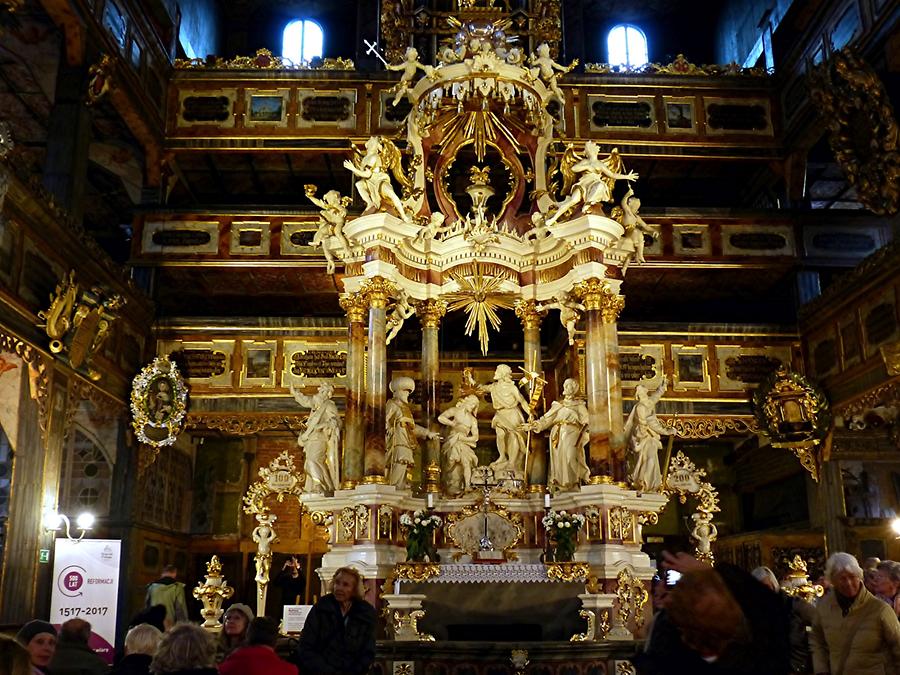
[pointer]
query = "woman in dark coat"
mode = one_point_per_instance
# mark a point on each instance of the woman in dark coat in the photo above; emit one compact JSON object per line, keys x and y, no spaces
{"x":339,"y":635}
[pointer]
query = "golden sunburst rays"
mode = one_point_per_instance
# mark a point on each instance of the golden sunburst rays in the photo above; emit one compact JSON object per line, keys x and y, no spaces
{"x":480,"y":297}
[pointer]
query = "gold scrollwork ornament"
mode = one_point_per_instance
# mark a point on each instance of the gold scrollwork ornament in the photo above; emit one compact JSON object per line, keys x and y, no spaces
{"x":158,"y":403}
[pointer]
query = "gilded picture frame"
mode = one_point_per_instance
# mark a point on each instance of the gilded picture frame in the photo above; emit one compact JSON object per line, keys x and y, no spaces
{"x":158,"y":403}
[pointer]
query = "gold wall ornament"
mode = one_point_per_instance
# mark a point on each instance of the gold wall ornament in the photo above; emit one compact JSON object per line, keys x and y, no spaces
{"x":680,"y":66}
{"x":378,"y":291}
{"x":685,"y":479}
{"x":279,"y":479}
{"x":591,"y":631}
{"x":243,"y":424}
{"x":264,"y":59}
{"x":528,"y":313}
{"x":568,"y":571}
{"x":703,"y":427}
{"x":598,"y":294}
{"x":621,"y":523}
{"x":480,"y":297}
{"x":794,"y":414}
{"x":466,"y":528}
{"x":416,"y":572}
{"x":355,"y":305}
{"x":348,"y":523}
{"x":854,"y":104}
{"x":100,"y":79}
{"x":212,"y":593}
{"x":798,"y":585}
{"x":79,"y":321}
{"x":431,"y":311}
{"x":158,"y":403}
{"x":632,"y":596}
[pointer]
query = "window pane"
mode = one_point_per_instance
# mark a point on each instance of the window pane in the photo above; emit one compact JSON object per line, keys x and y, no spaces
{"x":627,"y":45}
{"x":615,"y":43}
{"x":637,"y":47}
{"x":292,"y":42}
{"x":312,"y":41}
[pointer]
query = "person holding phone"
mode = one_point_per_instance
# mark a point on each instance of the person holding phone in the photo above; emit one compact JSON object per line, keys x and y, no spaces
{"x":291,"y":582}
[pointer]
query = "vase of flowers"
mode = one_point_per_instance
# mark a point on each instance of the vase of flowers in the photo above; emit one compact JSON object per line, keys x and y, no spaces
{"x":562,"y":533}
{"x":419,"y":527}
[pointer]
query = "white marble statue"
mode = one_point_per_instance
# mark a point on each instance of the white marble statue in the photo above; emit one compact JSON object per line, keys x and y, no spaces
{"x":400,"y":312}
{"x":569,"y":312}
{"x":409,"y":67}
{"x":635,"y":227}
{"x":643,"y":431}
{"x":402,"y":432}
{"x":509,"y":404}
{"x":459,"y":444}
{"x":546,"y":68}
{"x":568,"y":424}
{"x":372,"y":169}
{"x":595,"y":182}
{"x":331,"y":224}
{"x":320,"y":440}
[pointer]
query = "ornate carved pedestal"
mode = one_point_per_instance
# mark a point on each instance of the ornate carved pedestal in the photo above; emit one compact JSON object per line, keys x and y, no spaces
{"x":404,"y":612}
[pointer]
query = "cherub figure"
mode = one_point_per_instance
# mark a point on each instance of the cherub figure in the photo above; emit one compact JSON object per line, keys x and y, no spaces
{"x":374,"y":182}
{"x":433,"y":227}
{"x":399,"y":313}
{"x":569,"y":312}
{"x":539,"y":230}
{"x":546,"y":68}
{"x":409,"y":67}
{"x":331,"y":223}
{"x":597,"y":179}
{"x":634,"y":225}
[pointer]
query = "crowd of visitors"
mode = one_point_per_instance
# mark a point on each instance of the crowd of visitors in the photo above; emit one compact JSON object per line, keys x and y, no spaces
{"x":713,"y":621}
{"x":338,"y":639}
{"x":724,"y":621}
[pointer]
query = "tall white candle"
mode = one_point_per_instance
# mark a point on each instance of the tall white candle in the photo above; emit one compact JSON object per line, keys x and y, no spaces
{"x":430,"y":500}
{"x":547,"y":500}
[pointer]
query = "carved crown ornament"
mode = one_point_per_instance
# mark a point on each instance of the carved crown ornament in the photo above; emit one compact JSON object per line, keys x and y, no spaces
{"x":794,"y":414}
{"x":158,"y":403}
{"x":854,"y":104}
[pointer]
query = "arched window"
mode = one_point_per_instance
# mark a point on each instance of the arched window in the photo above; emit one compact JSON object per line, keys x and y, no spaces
{"x":627,"y":46}
{"x":302,"y":41}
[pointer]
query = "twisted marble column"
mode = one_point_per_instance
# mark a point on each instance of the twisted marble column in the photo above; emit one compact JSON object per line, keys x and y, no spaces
{"x":352,"y":465}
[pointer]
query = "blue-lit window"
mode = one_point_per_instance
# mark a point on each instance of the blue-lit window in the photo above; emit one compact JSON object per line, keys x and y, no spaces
{"x":302,"y":41}
{"x":627,"y":46}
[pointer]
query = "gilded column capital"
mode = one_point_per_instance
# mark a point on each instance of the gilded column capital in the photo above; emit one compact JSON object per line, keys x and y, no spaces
{"x":528,"y":313}
{"x":378,"y":290}
{"x":431,"y":311}
{"x":355,"y":305}
{"x":598,"y":294}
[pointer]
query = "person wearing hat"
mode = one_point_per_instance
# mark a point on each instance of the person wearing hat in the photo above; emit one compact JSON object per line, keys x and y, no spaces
{"x":39,"y":638}
{"x":234,"y":630}
{"x":402,"y":432}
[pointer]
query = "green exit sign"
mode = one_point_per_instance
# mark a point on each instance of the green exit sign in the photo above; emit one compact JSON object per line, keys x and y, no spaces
{"x":44,"y":555}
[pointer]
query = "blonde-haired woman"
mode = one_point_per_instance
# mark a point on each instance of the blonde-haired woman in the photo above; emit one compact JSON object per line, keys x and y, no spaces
{"x":185,"y":650}
{"x":141,"y":644}
{"x":14,"y":658}
{"x":339,"y":634}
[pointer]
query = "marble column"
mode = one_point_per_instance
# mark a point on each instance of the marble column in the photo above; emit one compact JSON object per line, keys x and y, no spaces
{"x":352,"y":465}
{"x":527,"y":312}
{"x":377,"y":290}
{"x":430,"y":313}
{"x":609,"y":313}
{"x":602,"y":306}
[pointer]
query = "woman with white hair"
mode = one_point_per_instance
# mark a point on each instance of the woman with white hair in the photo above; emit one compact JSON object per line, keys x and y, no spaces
{"x":141,"y":644}
{"x":854,"y":633}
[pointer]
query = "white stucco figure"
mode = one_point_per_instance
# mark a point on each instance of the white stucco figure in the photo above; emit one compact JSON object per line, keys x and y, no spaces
{"x":409,"y":67}
{"x":546,"y":68}
{"x":595,"y":179}
{"x":264,"y":536}
{"x":330,"y":232}
{"x":569,"y":312}
{"x":402,"y":432}
{"x":643,"y":431}
{"x":400,"y":312}
{"x":568,"y":423}
{"x":372,"y":169}
{"x":635,"y":227}
{"x":321,"y":440}
{"x":509,"y":405}
{"x":459,"y":444}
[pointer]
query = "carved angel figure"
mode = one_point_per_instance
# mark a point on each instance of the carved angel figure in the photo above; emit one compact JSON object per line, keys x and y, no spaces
{"x":596,"y":182}
{"x":569,"y":312}
{"x":634,"y":225}
{"x":409,"y":67}
{"x":643,"y":431}
{"x":331,"y":224}
{"x":432,"y":227}
{"x":399,"y":313}
{"x":372,"y":168}
{"x":546,"y":68}
{"x":321,"y":440}
{"x":459,"y":444}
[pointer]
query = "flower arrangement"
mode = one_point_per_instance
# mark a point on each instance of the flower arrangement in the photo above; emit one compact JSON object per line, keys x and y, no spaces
{"x":562,"y":529}
{"x":419,"y":528}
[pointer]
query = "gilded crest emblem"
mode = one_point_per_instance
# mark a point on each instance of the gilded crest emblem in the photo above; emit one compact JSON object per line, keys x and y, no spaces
{"x":158,"y":403}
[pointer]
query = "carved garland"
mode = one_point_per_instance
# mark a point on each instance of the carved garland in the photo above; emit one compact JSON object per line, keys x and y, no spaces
{"x":854,"y":104}
{"x":243,"y":425}
{"x":708,"y":427}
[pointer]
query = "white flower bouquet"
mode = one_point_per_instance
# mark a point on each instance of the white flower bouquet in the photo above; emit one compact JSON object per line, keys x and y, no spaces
{"x":419,"y":527}
{"x":562,"y":529}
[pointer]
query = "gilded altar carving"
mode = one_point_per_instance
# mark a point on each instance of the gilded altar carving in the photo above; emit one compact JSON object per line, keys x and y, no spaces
{"x":212,"y":593}
{"x":597,"y":294}
{"x":378,"y":291}
{"x":158,"y":403}
{"x":79,"y":321}
{"x":236,"y":424}
{"x":263,"y":59}
{"x":279,"y":479}
{"x":568,"y":571}
{"x":680,"y":66}
{"x":632,"y":597}
{"x":347,"y":521}
{"x":591,"y":631}
{"x":362,"y":522}
{"x":621,"y":524}
{"x":702,"y":427}
{"x":415,"y":571}
{"x":356,"y":305}
{"x":684,"y":479}
{"x":794,"y":414}
{"x":798,"y":585}
{"x":855,"y":105}
{"x":588,"y":180}
{"x":466,"y":528}
{"x":431,"y":311}
{"x":528,"y":313}
{"x":480,"y":296}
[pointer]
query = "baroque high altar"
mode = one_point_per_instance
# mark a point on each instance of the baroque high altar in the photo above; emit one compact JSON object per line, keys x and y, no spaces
{"x":537,"y":236}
